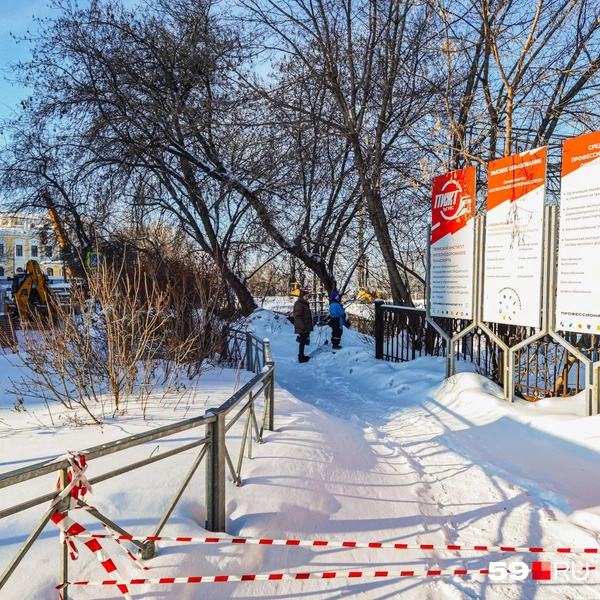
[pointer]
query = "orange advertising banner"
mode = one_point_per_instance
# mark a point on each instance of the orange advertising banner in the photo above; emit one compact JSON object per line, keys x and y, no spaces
{"x":580,"y":151}
{"x":514,"y":248}
{"x":513,"y":177}
{"x":453,"y":202}
{"x":577,"y":285}
{"x":452,"y":244}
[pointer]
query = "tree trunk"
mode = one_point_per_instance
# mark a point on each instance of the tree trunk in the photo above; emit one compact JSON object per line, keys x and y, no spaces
{"x":242,"y":293}
{"x":400,"y":293}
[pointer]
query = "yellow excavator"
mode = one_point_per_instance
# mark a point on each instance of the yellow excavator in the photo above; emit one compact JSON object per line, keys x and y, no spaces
{"x":29,"y":294}
{"x":365,"y":295}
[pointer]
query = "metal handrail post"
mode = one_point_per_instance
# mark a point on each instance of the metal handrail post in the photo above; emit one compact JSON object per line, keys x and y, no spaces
{"x":271,"y":419}
{"x":64,"y":548}
{"x":378,"y":329}
{"x":249,"y":351}
{"x":270,"y":389}
{"x":215,"y":474}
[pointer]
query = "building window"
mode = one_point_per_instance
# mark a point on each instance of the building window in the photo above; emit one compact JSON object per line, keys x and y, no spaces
{"x":20,"y":270}
{"x":50,"y":271}
{"x":1,"y":271}
{"x":34,"y":251}
{"x":1,"y":250}
{"x":19,"y":250}
{"x":48,"y":252}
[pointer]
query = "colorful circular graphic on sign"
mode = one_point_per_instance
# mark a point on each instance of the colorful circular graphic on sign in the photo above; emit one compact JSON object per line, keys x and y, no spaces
{"x":509,"y":303}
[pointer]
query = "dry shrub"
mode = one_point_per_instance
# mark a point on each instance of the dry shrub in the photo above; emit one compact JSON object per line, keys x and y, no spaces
{"x":131,"y":334}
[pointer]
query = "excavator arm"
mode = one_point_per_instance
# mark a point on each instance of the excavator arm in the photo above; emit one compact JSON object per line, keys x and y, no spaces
{"x":30,"y":292}
{"x":69,"y":256}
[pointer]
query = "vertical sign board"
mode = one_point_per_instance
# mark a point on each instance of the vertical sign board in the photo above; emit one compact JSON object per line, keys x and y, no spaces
{"x":514,"y":241}
{"x":95,"y":260}
{"x":578,"y":280}
{"x":452,"y":244}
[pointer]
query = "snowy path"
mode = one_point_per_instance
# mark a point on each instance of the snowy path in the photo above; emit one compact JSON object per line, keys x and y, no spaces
{"x":469,"y":484}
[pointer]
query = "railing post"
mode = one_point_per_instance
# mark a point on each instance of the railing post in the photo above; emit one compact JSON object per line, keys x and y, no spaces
{"x":270,"y":391}
{"x":215,"y":473}
{"x":271,"y":420}
{"x":248,"y":351}
{"x":379,"y":329}
{"x":64,"y":548}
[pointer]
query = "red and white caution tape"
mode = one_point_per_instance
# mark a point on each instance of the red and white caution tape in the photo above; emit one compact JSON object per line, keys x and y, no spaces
{"x":130,"y":554}
{"x":77,"y":484}
{"x":288,"y":577}
{"x":334,"y":544}
{"x":78,"y":487}
{"x":114,"y":536}
{"x":292,"y":577}
{"x":72,"y":529}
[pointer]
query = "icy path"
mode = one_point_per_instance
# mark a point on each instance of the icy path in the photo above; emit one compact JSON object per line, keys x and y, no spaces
{"x":487,"y":478}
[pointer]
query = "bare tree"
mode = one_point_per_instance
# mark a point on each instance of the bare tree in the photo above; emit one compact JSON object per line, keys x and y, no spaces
{"x":315,"y":193}
{"x":517,"y":75}
{"x":371,"y":58}
{"x":39,"y":174}
{"x":149,"y":102}
{"x":141,"y":100}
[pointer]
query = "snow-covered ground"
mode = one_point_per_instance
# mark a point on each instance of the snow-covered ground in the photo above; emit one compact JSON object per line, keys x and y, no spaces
{"x":364,"y":451}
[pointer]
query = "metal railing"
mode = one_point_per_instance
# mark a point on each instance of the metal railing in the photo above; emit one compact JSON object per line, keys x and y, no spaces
{"x":211,"y":442}
{"x":7,"y":331}
{"x":544,"y":367}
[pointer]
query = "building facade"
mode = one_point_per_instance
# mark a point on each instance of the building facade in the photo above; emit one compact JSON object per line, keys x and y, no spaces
{"x":24,"y":237}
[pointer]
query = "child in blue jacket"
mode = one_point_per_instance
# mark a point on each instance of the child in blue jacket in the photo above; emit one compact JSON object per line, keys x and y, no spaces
{"x":337,"y":314}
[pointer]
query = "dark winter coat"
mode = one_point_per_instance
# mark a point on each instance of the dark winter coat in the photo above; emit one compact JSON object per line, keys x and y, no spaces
{"x":302,"y":317}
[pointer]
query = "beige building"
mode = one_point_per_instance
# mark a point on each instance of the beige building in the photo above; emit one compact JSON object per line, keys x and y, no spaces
{"x":24,"y":237}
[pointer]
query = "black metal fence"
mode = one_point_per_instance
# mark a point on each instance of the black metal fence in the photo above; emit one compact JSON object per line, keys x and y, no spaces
{"x":7,"y":332}
{"x":543,"y":368}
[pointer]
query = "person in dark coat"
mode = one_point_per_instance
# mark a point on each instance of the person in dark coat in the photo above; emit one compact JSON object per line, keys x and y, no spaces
{"x":337,"y":315}
{"x":303,"y":323}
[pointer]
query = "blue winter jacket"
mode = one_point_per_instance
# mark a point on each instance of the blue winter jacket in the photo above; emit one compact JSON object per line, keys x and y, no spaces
{"x":336,"y":310}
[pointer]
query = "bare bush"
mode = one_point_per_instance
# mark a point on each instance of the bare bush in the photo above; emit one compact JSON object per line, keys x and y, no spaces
{"x":123,"y":339}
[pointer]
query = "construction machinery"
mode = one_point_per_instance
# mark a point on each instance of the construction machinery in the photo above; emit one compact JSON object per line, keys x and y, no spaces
{"x":29,"y":294}
{"x":294,"y":289}
{"x":365,"y":295}
{"x":71,"y":259}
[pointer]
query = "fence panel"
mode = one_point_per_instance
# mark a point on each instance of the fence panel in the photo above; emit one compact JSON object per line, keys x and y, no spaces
{"x":544,"y":367}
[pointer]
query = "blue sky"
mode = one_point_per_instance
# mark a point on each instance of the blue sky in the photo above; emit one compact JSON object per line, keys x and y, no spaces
{"x":16,"y":18}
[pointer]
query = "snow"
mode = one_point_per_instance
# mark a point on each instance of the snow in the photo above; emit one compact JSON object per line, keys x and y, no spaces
{"x":364,"y":450}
